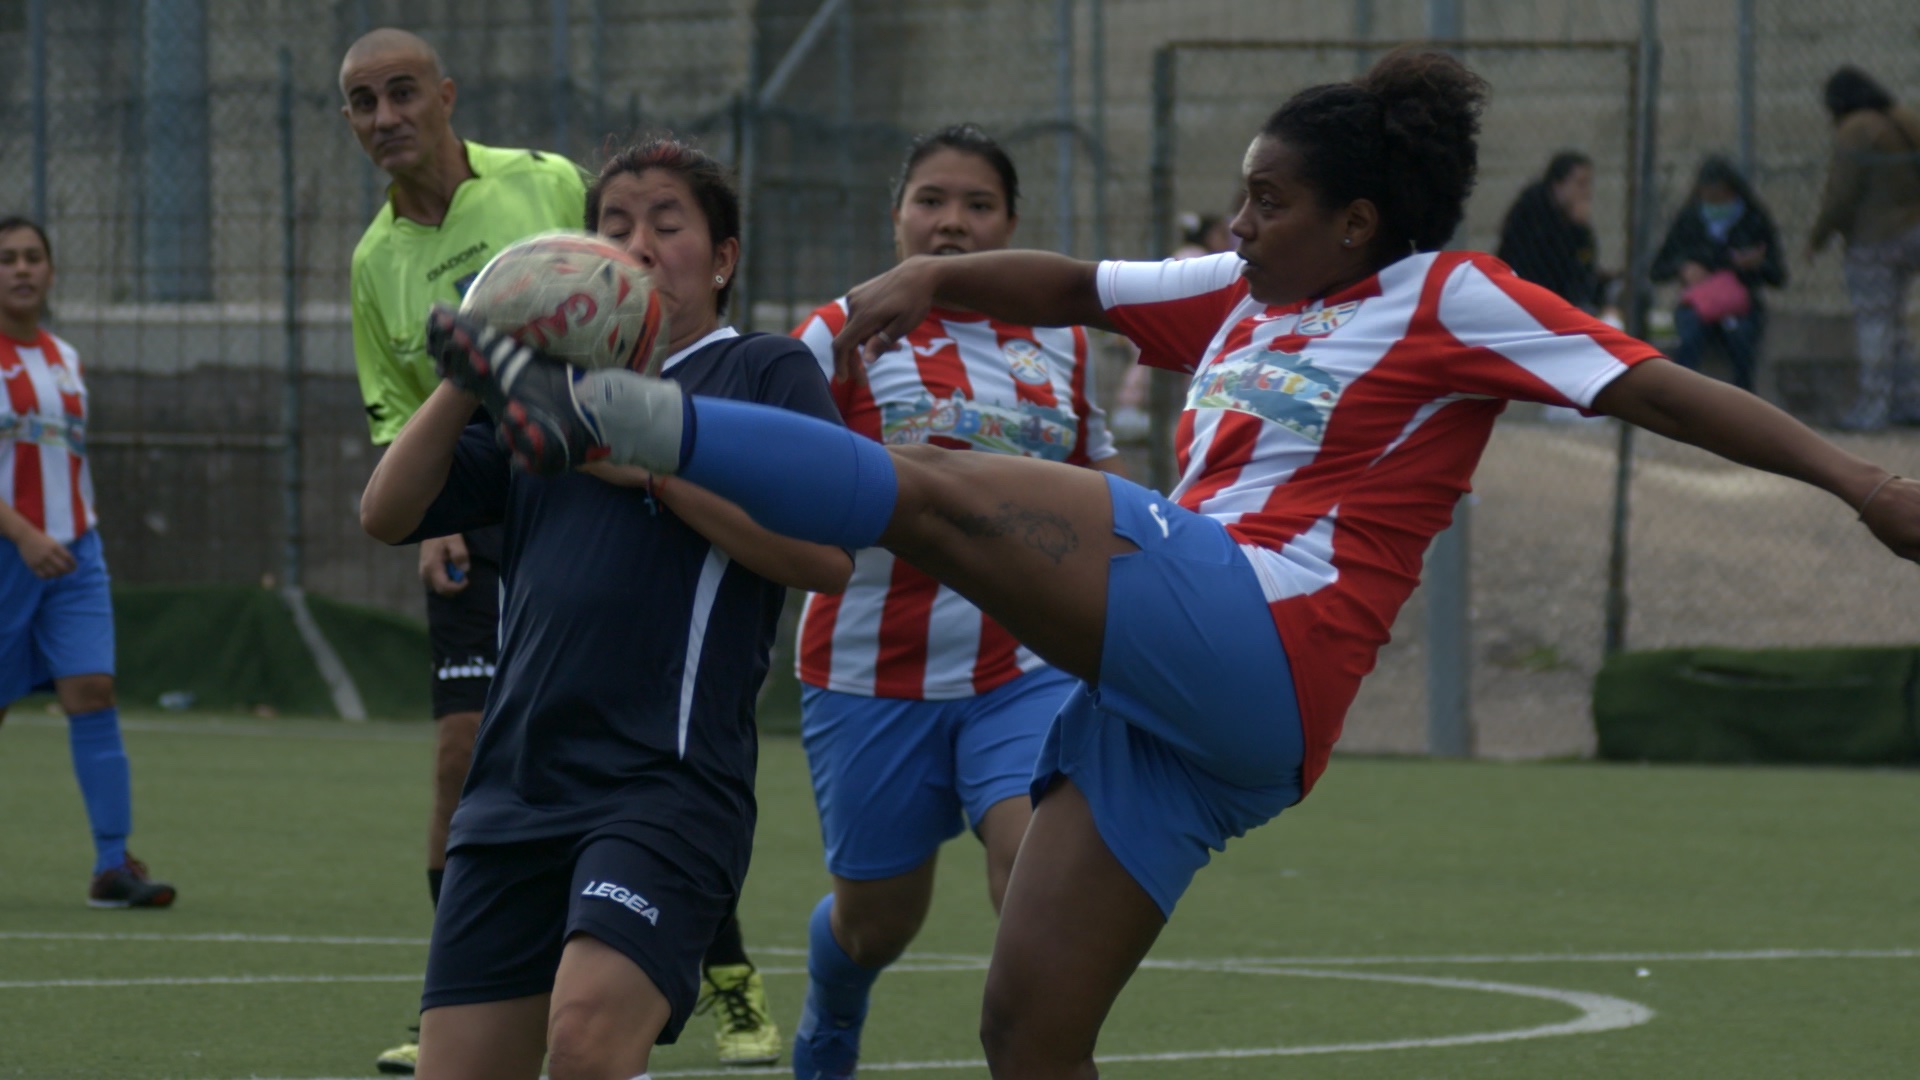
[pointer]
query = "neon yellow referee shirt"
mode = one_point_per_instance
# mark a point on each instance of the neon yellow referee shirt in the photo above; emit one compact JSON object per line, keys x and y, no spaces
{"x":401,"y":267}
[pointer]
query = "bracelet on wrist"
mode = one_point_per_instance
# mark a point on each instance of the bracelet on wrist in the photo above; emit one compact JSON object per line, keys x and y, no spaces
{"x":1868,"y":501}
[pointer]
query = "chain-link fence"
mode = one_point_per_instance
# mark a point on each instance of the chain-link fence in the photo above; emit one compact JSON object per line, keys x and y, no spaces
{"x":204,"y":197}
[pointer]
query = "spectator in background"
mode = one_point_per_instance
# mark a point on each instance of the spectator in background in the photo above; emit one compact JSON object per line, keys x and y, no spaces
{"x":1202,"y":234}
{"x":1872,"y":200}
{"x":1722,"y":247}
{"x":1547,"y":237}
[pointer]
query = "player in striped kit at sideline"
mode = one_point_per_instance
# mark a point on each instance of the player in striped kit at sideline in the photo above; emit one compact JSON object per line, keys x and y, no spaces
{"x":921,"y":715}
{"x":56,"y":615}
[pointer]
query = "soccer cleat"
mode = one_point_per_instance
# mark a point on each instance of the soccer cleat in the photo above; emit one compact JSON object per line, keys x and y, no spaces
{"x":127,"y":885}
{"x":746,"y":1033}
{"x":826,"y":1047}
{"x":402,"y":1059}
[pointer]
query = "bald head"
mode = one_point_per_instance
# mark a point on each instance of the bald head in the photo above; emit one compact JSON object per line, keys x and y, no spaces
{"x":390,"y":44}
{"x":400,"y":106}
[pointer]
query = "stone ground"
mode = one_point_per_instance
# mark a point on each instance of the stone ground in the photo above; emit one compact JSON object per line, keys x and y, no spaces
{"x":1718,"y":555}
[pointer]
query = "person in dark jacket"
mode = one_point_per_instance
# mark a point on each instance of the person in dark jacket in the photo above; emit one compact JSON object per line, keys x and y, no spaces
{"x":1547,"y":237}
{"x":1723,"y":226}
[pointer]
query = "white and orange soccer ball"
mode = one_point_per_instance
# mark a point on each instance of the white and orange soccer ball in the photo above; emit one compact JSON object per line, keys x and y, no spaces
{"x":574,"y":296}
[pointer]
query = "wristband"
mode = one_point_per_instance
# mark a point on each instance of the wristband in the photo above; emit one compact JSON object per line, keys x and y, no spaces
{"x":1868,"y":501}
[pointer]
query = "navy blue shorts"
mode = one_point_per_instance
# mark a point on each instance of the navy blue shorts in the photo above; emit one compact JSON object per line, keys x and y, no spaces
{"x":1193,"y":735}
{"x":896,"y":779}
{"x":507,"y":910}
{"x":54,"y":628}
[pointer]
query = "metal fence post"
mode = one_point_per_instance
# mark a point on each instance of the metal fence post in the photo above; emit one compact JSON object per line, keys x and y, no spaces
{"x":1097,"y":60}
{"x":1063,"y":181}
{"x":1745,"y":89}
{"x":1161,"y":391}
{"x":37,"y":49}
{"x":560,"y":59}
{"x":1639,"y":300}
{"x":176,"y":249}
{"x":290,"y":425}
{"x":1449,"y":570}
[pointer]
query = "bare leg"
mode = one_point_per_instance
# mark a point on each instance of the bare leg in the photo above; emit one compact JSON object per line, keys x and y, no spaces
{"x":1025,"y":540}
{"x":452,"y":754}
{"x":80,"y":694}
{"x":495,"y":1040}
{"x":875,"y":921}
{"x":1001,"y":829}
{"x":1074,"y":928}
{"x":605,"y":1014}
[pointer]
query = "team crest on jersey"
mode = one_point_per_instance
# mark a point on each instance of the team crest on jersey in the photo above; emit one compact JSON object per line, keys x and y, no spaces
{"x":1027,"y":362}
{"x":1326,"y":320}
{"x":1026,"y":429}
{"x":1280,"y":387}
{"x":65,"y":379}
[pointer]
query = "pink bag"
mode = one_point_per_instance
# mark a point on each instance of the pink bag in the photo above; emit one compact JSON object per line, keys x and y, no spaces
{"x":1719,"y":295}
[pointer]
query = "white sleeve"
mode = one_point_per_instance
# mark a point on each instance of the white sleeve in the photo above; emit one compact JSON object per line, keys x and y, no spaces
{"x":1125,"y":284}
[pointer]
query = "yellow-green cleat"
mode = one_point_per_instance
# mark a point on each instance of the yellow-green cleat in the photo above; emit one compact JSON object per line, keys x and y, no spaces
{"x":746,"y":1033}
{"x":400,"y":1060}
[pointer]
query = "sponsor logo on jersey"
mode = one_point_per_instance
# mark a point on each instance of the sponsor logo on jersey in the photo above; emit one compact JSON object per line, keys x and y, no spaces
{"x":932,"y":347}
{"x":1281,"y":387}
{"x":625,"y":897}
{"x":1026,"y":429}
{"x":1027,"y":362}
{"x":453,"y":262}
{"x":1326,"y":320}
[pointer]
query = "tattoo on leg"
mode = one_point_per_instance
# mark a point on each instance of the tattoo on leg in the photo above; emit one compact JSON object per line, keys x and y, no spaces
{"x":1042,"y":530}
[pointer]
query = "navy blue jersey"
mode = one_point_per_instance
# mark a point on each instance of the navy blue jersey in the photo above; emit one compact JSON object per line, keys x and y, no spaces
{"x":631,"y":649}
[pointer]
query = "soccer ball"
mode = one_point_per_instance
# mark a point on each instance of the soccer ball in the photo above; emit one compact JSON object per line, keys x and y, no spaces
{"x":574,"y":296}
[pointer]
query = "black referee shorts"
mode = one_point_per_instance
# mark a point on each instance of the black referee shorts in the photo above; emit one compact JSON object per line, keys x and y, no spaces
{"x":464,"y":629}
{"x":507,"y":910}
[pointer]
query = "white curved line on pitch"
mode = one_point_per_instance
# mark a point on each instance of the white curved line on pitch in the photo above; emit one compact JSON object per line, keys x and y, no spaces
{"x":1598,"y":1013}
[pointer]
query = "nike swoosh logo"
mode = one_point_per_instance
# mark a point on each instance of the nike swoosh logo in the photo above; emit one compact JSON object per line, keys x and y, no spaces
{"x":932,"y":347}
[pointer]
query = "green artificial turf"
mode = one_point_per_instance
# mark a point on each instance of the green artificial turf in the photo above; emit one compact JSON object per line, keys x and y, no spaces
{"x":1769,"y":919}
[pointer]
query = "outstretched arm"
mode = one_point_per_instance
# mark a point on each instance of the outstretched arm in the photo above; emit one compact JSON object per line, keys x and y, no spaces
{"x":1032,"y":288}
{"x":797,"y":564}
{"x":1670,"y":400}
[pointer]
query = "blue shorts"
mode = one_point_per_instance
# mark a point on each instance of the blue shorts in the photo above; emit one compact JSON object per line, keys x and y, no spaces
{"x":893,"y":778}
{"x":506,"y":912}
{"x":1193,"y":735}
{"x":57,"y":627}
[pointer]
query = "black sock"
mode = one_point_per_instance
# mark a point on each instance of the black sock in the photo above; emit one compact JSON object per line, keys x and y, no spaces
{"x":727,"y":947}
{"x":433,"y":885}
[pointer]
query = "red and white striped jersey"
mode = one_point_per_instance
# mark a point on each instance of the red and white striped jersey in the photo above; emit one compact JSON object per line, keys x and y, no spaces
{"x":964,"y":382}
{"x":1333,"y":437}
{"x":43,"y":432}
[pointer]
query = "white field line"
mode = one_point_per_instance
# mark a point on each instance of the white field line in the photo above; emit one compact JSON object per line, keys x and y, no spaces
{"x":1597,"y":1013}
{"x":965,"y":962}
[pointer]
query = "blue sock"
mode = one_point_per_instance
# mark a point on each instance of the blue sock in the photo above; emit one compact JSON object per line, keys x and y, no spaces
{"x":835,"y":984}
{"x":794,"y":474}
{"x":106,"y":785}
